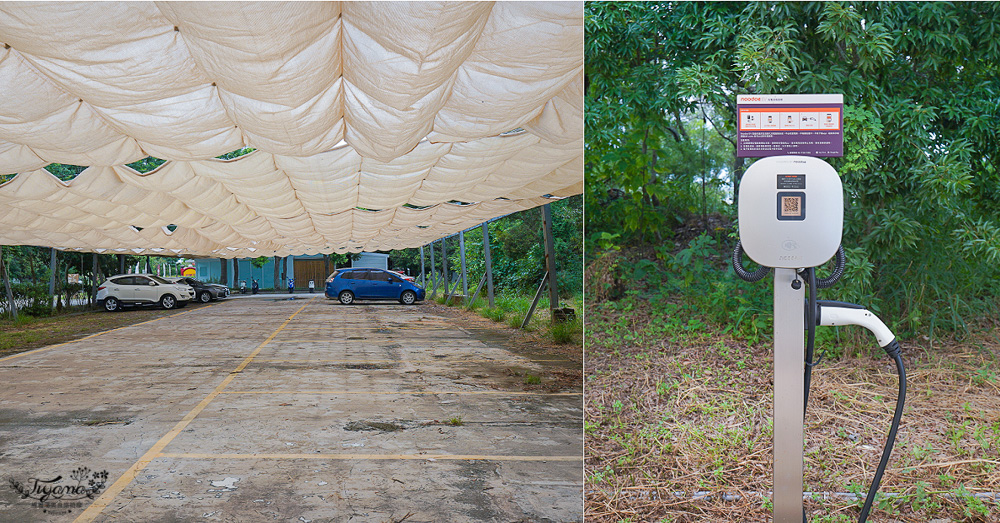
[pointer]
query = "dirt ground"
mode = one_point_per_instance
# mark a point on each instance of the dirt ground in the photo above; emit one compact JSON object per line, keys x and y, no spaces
{"x":269,"y":408}
{"x":678,"y":428}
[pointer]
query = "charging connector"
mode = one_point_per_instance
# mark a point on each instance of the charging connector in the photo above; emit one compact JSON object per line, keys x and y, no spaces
{"x":836,"y":313}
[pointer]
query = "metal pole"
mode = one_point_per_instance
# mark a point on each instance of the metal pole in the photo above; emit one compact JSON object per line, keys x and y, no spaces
{"x":489,"y":263}
{"x":461,"y":247}
{"x":448,"y":295}
{"x":435,"y":289}
{"x":479,"y":288}
{"x":789,"y":390}
{"x":423,"y":276}
{"x":550,"y":259}
{"x":534,"y":302}
{"x":444,"y":263}
{"x":434,"y":278}
{"x":93,"y":284}
{"x":52,"y":278}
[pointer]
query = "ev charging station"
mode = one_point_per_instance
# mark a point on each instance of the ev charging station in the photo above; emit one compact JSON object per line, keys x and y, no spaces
{"x":791,"y":211}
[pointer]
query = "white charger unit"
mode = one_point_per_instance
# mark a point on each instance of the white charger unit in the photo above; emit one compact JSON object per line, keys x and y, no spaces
{"x":791,"y":212}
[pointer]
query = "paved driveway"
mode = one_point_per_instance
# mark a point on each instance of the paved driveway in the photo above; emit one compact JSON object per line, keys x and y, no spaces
{"x":287,"y":410}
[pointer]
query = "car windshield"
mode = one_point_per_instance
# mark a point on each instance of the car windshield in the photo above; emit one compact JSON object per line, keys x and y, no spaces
{"x":157,"y":279}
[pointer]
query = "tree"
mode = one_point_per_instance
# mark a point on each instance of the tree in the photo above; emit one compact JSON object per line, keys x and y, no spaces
{"x":920,"y":81}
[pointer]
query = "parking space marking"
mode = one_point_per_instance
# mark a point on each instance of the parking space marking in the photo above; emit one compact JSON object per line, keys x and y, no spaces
{"x":436,"y":457}
{"x":377,"y":335}
{"x":405,"y":392}
{"x":119,"y":485}
{"x":436,"y":360}
{"x":96,"y":334}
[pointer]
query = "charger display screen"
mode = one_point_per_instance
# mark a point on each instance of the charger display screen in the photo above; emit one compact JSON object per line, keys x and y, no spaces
{"x":791,"y":181}
{"x":791,"y":206}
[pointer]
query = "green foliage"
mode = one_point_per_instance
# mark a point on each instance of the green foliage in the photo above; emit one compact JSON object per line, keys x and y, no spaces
{"x":921,"y":169}
{"x":343,"y":260}
{"x":64,"y":172}
{"x":516,"y":250}
{"x":567,"y":331}
{"x":237,"y":153}
{"x":32,"y":299}
{"x":146,"y":164}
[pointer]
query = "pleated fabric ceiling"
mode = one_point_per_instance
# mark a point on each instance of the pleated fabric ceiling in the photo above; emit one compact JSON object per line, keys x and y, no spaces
{"x":376,"y":126}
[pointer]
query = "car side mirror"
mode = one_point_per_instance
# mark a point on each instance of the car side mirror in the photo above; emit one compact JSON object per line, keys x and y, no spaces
{"x":152,"y":283}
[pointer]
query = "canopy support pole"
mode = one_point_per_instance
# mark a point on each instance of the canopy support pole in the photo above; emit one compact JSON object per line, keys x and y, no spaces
{"x":423,"y":275}
{"x":550,"y":260}
{"x":534,"y":302}
{"x":461,"y":247}
{"x":489,"y":263}
{"x":52,"y":276}
{"x":434,"y":277}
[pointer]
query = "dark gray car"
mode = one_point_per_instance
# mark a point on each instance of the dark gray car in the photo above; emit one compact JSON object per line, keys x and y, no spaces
{"x":204,"y":292}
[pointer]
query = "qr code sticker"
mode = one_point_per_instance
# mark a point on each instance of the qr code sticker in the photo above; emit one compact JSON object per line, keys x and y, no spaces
{"x":790,"y":206}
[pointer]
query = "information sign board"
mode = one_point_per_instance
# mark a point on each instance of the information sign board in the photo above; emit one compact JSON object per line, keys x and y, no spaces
{"x":790,"y":124}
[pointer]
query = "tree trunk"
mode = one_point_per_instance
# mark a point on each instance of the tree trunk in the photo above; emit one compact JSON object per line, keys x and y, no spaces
{"x":34,"y":273}
{"x":738,"y":169}
{"x":224,"y":263}
{"x":94,"y":277}
{"x":11,"y":306}
{"x":277,"y":273}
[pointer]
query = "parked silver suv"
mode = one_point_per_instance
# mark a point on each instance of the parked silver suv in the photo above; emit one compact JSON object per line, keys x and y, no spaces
{"x":142,"y":289}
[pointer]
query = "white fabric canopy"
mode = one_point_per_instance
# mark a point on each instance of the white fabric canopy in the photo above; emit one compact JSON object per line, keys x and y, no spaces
{"x":371,"y":121}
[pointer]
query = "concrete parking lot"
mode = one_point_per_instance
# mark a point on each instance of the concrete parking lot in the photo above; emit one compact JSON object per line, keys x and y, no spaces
{"x":269,"y":408}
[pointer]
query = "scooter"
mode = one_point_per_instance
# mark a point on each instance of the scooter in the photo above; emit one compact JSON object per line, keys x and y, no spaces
{"x":243,"y":286}
{"x":255,"y":287}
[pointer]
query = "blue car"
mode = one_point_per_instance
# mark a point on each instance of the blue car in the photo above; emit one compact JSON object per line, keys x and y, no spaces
{"x":348,"y":285}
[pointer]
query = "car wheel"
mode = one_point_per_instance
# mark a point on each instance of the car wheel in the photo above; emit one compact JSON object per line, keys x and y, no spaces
{"x":408,"y":297}
{"x":346,"y":297}
{"x":204,"y":297}
{"x":112,"y":304}
{"x":168,"y":301}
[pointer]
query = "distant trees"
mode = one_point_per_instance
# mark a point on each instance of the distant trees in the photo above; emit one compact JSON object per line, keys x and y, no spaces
{"x":517,"y":253}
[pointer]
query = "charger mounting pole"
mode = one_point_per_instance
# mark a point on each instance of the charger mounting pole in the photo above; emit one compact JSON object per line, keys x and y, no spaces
{"x":789,"y":393}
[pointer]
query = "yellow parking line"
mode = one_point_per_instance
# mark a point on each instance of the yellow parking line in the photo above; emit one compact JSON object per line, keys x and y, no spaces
{"x":362,"y":362}
{"x":410,"y":326}
{"x":50,"y":347}
{"x":109,"y":495}
{"x":437,"y":457}
{"x":368,"y":338}
{"x":404,"y":393}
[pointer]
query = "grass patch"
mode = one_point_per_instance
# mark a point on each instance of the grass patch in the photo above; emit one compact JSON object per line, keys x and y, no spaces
{"x":673,"y":405}
{"x":510,"y":309}
{"x":567,"y":331}
{"x":455,"y":421}
{"x":31,"y":333}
